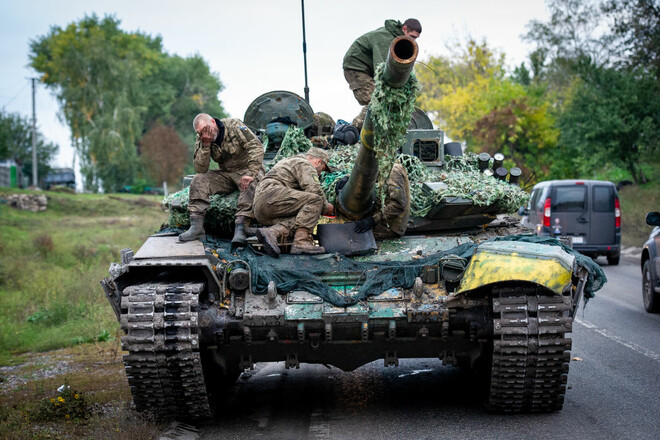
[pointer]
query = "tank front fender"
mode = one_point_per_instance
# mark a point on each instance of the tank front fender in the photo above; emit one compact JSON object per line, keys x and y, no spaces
{"x":501,"y":261}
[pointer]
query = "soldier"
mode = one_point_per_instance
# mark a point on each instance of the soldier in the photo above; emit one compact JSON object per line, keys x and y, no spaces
{"x":366,"y":53}
{"x":393,"y":220}
{"x":239,"y":155}
{"x":290,"y":197}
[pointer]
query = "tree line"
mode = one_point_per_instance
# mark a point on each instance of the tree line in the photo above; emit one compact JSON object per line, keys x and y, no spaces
{"x":129,"y":104}
{"x":586,"y":100}
{"x":584,"y":103}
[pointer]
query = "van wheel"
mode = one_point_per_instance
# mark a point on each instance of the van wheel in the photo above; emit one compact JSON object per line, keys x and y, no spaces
{"x":651,"y":298}
{"x":613,"y":260}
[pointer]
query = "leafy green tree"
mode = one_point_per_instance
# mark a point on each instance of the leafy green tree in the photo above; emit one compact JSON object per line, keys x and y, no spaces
{"x":474,"y":101}
{"x":113,"y":86}
{"x":636,"y":27}
{"x":613,"y":116}
{"x":16,"y":144}
{"x":574,"y":36}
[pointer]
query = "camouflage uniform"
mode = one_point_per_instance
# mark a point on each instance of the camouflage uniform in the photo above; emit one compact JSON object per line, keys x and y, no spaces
{"x":290,"y":194}
{"x":239,"y":153}
{"x":361,"y":60}
{"x":393,"y":220}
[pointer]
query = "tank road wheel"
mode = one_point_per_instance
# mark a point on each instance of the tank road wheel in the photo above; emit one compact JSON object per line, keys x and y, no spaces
{"x":530,"y":350}
{"x":651,"y":298}
{"x":163,"y":364}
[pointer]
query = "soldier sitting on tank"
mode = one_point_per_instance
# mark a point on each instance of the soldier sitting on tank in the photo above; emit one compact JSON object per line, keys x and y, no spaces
{"x":239,"y":155}
{"x":289,"y":197}
{"x":392,"y":221}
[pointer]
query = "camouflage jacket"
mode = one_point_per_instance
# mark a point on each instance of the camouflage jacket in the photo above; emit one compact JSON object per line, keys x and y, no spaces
{"x":397,"y":201}
{"x":294,"y":172}
{"x":369,"y":50}
{"x":239,"y":149}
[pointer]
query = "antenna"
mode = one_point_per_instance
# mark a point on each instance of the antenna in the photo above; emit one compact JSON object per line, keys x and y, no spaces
{"x":34,"y":134}
{"x":302,"y":4}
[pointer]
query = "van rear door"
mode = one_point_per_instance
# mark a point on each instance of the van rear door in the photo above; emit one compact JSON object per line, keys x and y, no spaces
{"x":603,"y":230}
{"x":570,"y":213}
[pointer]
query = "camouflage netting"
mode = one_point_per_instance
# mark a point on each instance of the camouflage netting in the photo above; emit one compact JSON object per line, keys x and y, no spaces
{"x":463,"y":179}
{"x":390,"y":110}
{"x":304,"y":272}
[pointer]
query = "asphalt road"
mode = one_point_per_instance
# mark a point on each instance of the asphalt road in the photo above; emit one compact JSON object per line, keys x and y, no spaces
{"x":613,"y":389}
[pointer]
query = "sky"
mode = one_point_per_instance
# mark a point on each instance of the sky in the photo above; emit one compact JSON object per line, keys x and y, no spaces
{"x":255,"y":46}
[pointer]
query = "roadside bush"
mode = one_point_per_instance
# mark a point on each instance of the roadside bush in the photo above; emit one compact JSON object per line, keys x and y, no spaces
{"x":43,"y":244}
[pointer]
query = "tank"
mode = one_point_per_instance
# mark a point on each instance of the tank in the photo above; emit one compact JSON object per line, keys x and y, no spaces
{"x":461,"y":285}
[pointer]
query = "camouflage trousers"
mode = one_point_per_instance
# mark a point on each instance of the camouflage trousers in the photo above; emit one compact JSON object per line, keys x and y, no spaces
{"x":276,"y":204}
{"x":204,"y":185}
{"x":362,"y":86}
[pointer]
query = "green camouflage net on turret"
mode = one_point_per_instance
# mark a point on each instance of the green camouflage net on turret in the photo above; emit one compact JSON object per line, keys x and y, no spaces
{"x":294,"y":142}
{"x":390,"y":109}
{"x":463,"y":179}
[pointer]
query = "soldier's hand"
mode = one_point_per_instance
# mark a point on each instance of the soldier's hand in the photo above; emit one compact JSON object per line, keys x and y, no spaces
{"x":245,"y":182}
{"x":329,"y":209}
{"x":207,"y":135}
{"x":365,"y":224}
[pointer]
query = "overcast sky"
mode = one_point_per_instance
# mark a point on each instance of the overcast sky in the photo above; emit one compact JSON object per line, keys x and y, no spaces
{"x":255,"y":46}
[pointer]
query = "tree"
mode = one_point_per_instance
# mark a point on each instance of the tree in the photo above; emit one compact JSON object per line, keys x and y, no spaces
{"x":164,"y":154}
{"x":636,"y":27}
{"x":575,"y":35}
{"x":113,"y":85}
{"x":613,"y":117}
{"x":475,"y":102}
{"x":16,"y":144}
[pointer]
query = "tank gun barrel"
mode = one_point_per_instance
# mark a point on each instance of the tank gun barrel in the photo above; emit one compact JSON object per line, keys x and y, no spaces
{"x":356,"y":199}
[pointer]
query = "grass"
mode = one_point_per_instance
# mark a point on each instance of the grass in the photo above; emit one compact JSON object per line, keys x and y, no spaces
{"x":51,"y":263}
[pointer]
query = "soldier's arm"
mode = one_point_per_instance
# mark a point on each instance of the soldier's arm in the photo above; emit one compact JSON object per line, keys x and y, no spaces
{"x":253,"y":146}
{"x":201,"y":157}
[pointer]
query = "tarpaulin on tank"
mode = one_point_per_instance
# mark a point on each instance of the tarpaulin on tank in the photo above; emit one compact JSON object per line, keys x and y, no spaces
{"x":304,"y":272}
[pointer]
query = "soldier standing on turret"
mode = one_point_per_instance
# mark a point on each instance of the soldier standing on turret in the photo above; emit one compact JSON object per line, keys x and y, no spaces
{"x":366,"y":53}
{"x":239,"y":155}
{"x":290,"y":197}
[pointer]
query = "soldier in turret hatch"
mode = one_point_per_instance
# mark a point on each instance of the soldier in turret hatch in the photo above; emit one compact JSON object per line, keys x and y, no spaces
{"x":366,"y":53}
{"x":239,"y":155}
{"x":290,"y":197}
{"x":392,"y":221}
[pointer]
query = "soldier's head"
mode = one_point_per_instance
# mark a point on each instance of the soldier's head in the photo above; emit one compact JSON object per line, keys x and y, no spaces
{"x":318,"y":158}
{"x":205,"y":127}
{"x":411,"y":28}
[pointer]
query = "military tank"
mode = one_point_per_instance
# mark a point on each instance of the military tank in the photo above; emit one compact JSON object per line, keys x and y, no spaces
{"x":458,"y":287}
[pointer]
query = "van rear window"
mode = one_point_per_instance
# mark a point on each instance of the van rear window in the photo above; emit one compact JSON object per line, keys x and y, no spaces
{"x":569,"y":198}
{"x":603,"y":199}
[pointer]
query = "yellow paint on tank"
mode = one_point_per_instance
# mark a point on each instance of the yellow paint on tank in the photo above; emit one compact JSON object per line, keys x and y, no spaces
{"x":488,"y":268}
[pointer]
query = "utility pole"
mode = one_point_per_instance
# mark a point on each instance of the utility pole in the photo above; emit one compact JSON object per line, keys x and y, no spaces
{"x":34,"y":134}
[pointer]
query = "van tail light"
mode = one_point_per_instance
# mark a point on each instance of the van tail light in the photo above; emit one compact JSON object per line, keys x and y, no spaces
{"x":546,"y":212}
{"x":617,"y":213}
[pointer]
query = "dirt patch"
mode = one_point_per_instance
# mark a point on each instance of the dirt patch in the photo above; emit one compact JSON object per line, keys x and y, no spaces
{"x":96,"y":371}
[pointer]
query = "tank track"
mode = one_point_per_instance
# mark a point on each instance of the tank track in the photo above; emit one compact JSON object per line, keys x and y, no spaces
{"x":531,"y":350}
{"x":163,"y":365}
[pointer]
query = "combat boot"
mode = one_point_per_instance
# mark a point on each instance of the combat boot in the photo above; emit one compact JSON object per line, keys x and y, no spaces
{"x":303,"y":243}
{"x":268,"y":237}
{"x":196,"y":231}
{"x":240,"y":239}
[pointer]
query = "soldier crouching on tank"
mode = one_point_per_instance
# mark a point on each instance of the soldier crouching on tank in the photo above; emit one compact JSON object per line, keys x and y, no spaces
{"x":392,"y":221}
{"x":290,"y":197}
{"x":239,"y":155}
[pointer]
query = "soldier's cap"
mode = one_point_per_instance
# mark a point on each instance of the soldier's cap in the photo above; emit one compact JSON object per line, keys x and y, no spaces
{"x":321,"y":154}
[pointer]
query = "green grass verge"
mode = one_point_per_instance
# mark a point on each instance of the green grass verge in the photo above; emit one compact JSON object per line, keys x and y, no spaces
{"x":51,"y":263}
